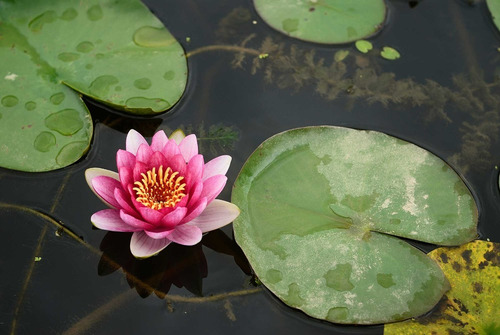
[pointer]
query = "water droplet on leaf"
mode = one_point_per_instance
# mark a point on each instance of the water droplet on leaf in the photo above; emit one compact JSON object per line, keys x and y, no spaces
{"x":44,"y":141}
{"x":143,"y":83}
{"x":9,"y":101}
{"x":66,"y":122}
{"x":153,"y":37}
{"x":94,"y":13}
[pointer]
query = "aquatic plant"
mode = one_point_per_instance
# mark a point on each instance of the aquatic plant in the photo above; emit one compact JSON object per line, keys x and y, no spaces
{"x":321,"y":212}
{"x":52,"y":52}
{"x":163,"y":192}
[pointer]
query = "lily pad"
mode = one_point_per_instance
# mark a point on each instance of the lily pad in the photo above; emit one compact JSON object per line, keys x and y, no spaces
{"x":319,"y":206}
{"x":494,"y":8}
{"x":324,"y":21}
{"x":115,"y":52}
{"x":473,"y":303}
{"x":390,"y":53}
{"x":363,"y":46}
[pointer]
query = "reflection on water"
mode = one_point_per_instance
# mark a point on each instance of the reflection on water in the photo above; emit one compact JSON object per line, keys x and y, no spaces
{"x":442,"y":94}
{"x":181,"y":266}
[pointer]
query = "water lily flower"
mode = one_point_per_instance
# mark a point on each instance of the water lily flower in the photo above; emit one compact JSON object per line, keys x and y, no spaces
{"x":163,"y":192}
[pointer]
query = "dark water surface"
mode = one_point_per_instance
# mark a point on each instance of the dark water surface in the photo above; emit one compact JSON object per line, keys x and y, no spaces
{"x":442,"y":95}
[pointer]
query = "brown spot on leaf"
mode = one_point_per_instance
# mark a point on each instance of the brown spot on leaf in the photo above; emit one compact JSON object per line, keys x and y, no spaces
{"x":493,"y":256}
{"x":482,"y":265}
{"x":461,"y":305}
{"x":478,"y":287}
{"x":444,"y":258}
{"x":457,"y":267}
{"x":466,"y":256}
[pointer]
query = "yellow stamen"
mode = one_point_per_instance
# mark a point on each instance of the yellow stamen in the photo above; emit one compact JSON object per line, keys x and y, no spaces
{"x":160,"y":190}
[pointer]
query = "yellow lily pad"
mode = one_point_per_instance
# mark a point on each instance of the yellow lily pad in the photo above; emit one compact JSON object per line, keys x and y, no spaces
{"x":472,"y":306}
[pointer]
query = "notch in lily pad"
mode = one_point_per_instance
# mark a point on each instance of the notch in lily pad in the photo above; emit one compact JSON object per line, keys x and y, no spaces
{"x":55,"y":51}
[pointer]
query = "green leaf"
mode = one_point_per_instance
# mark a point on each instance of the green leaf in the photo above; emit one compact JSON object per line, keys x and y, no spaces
{"x":494,"y":7}
{"x":115,"y":52}
{"x":390,"y":53}
{"x":472,"y":305}
{"x":318,"y":206}
{"x":324,"y":21}
{"x":363,"y":46}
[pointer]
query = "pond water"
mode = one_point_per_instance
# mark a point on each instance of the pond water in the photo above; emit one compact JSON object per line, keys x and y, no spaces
{"x":442,"y":94}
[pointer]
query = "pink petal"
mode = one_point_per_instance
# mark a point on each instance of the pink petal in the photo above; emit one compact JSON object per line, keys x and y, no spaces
{"x":185,"y":235}
{"x":213,"y":186}
{"x":171,"y":149}
{"x":105,"y":187}
{"x":135,"y":222}
{"x":134,"y":141}
{"x":124,"y":201}
{"x":159,"y":141}
{"x":194,"y":170}
{"x":178,"y":135}
{"x":218,"y":165}
{"x":195,"y":193}
{"x":125,"y":159}
{"x":126,"y":176}
{"x":144,"y":153}
{"x":189,"y":147}
{"x":217,"y":214}
{"x":177,"y":164}
{"x":173,"y":218}
{"x":91,"y":173}
{"x":143,"y":246}
{"x":109,"y":219}
{"x":195,"y":210}
{"x":139,"y":168}
{"x":156,"y":160}
{"x":151,"y":215}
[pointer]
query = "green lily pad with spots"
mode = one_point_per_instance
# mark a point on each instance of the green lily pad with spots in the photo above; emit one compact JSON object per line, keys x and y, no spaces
{"x":322,"y":210}
{"x":324,"y":21}
{"x":472,"y":305}
{"x":115,"y":52}
{"x":494,"y":8}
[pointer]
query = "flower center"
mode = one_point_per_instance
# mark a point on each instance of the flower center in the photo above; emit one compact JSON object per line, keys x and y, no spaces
{"x":159,"y":190}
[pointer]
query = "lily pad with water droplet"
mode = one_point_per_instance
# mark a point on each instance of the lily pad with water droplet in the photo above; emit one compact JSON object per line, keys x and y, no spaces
{"x":324,"y":21}
{"x":472,"y":305}
{"x":321,"y":212}
{"x":117,"y":53}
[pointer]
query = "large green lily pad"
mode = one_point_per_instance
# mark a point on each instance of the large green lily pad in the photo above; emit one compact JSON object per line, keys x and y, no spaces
{"x":324,"y":21}
{"x":472,"y":306}
{"x":115,"y":52}
{"x":494,"y":7}
{"x":319,"y":206}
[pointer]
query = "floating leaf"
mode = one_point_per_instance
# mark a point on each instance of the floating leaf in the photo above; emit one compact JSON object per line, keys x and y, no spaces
{"x":324,"y":21}
{"x":494,"y":7}
{"x":472,"y":305}
{"x":340,"y":55}
{"x":318,"y":206}
{"x":114,"y":52}
{"x":363,"y":46}
{"x":389,"y":53}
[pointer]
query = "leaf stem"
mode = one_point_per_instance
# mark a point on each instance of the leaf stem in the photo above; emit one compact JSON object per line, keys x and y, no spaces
{"x":222,"y":47}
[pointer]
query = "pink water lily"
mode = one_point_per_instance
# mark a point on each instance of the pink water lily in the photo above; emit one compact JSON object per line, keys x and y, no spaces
{"x":163,"y":192}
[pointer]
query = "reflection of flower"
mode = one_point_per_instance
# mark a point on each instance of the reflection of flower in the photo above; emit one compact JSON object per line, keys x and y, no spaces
{"x":180,"y":266}
{"x":163,"y":192}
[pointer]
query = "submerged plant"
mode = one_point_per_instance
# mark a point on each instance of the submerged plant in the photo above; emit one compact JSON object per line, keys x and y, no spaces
{"x":163,"y":192}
